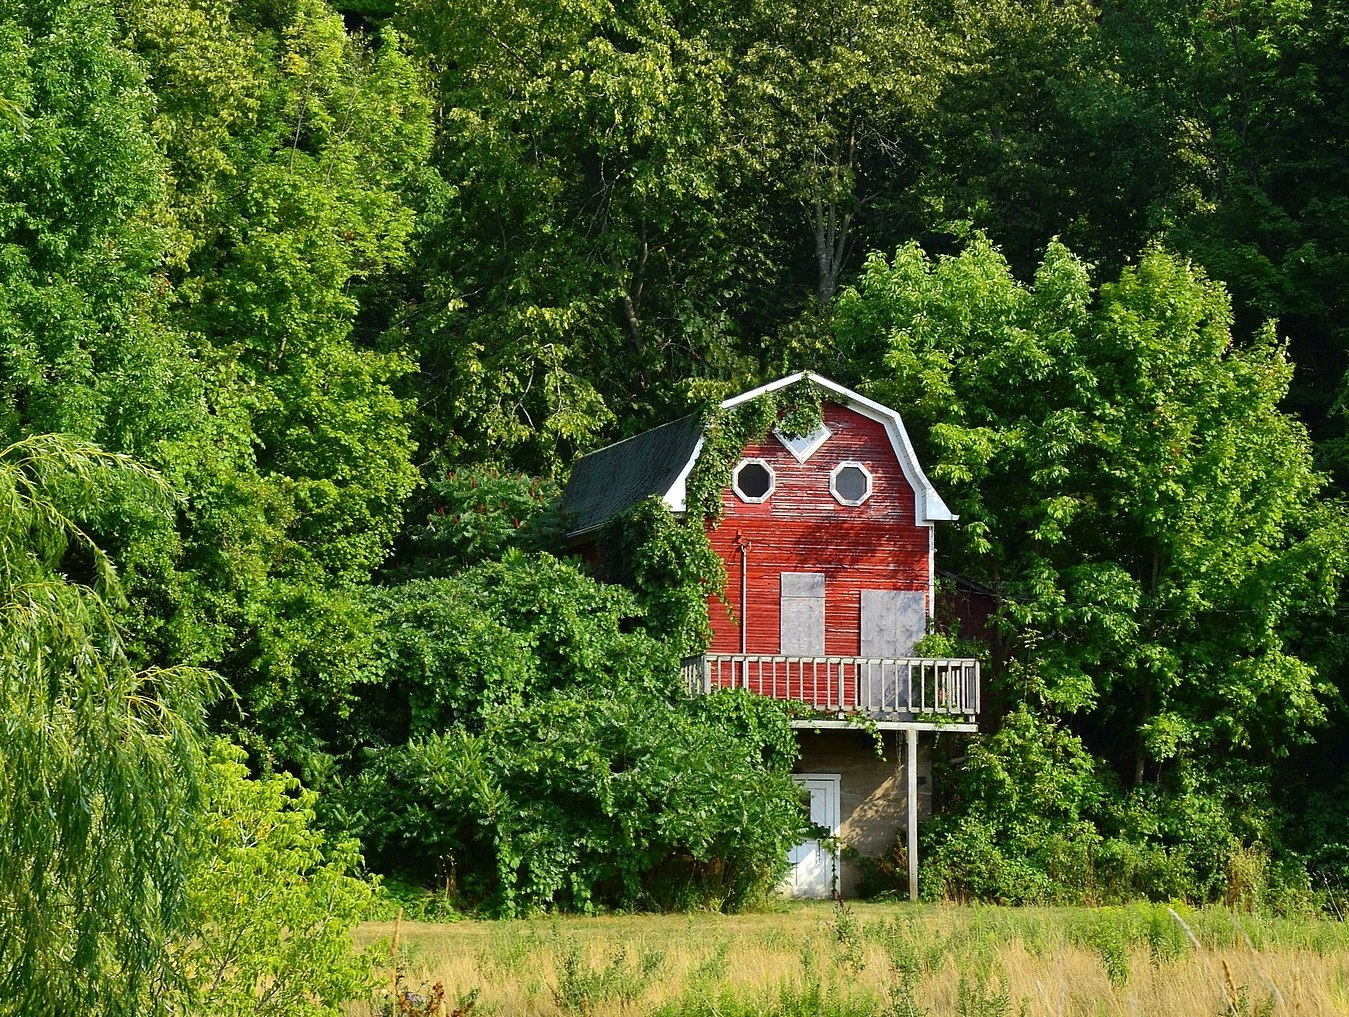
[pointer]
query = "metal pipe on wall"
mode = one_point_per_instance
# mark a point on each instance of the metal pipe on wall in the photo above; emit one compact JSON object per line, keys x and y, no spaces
{"x":744,"y":545}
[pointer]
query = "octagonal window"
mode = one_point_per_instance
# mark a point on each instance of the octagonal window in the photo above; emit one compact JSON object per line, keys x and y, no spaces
{"x":850,"y":483}
{"x":753,"y":481}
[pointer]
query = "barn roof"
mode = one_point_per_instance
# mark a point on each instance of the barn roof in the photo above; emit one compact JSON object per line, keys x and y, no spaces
{"x":614,"y":479}
{"x":658,"y":462}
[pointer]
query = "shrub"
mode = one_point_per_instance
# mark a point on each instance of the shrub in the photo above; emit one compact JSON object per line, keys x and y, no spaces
{"x":272,"y":901}
{"x":529,"y":745}
{"x":578,"y":801}
{"x":1024,"y":832}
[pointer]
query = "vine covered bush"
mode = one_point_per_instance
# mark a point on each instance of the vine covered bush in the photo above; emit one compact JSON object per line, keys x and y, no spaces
{"x":453,"y":651}
{"x":671,"y":570}
{"x":578,"y":801}
{"x":523,"y":741}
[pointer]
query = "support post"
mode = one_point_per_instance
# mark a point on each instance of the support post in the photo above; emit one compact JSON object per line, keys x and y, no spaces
{"x":911,"y":773}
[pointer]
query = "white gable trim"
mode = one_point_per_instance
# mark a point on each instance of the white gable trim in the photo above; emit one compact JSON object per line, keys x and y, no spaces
{"x":928,"y":505}
{"x":677,"y":497}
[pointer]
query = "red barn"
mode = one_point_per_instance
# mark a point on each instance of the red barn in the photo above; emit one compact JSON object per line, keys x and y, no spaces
{"x":829,"y":548}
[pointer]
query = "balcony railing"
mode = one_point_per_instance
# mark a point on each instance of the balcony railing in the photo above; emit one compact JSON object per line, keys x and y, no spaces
{"x":881,"y":687}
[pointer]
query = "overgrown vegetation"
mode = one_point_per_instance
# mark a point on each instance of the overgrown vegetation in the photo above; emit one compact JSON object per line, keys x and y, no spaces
{"x":1154,"y":534}
{"x":582,"y":801}
{"x":306,"y":308}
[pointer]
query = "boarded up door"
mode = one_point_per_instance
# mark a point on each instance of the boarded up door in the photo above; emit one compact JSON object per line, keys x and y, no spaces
{"x":814,"y":864}
{"x":801,"y":633}
{"x":892,"y":623}
{"x":802,"y":621}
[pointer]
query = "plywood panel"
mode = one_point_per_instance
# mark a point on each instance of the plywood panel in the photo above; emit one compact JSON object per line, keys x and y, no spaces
{"x":801,"y":615}
{"x":892,"y":622}
{"x":807,"y":585}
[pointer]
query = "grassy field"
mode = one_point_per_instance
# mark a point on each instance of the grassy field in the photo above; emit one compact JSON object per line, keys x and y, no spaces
{"x":823,"y":960}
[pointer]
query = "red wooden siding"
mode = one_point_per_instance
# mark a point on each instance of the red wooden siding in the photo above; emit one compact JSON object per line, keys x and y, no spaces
{"x":801,"y":528}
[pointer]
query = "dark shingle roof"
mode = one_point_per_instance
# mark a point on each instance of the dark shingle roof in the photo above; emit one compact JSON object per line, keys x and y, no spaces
{"x":617,"y":477}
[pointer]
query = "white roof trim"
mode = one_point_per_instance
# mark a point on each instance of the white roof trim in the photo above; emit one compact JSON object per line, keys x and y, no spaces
{"x":928,"y":505}
{"x":677,"y":497}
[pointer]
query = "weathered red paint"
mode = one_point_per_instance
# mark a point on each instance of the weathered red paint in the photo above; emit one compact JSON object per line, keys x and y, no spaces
{"x":802,"y":528}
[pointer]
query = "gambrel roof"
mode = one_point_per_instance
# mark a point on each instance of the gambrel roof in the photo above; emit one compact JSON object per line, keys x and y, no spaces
{"x":658,"y":462}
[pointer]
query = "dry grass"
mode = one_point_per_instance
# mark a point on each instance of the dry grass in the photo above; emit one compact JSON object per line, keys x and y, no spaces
{"x":814,"y":959}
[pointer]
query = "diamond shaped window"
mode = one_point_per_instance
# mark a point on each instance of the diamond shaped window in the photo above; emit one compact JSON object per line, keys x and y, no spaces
{"x":803,"y":446}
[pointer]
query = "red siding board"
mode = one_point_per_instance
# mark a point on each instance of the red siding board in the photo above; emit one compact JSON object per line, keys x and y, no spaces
{"x":801,"y":528}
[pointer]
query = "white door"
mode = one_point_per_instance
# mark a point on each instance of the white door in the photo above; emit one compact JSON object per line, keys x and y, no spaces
{"x":814,"y":870}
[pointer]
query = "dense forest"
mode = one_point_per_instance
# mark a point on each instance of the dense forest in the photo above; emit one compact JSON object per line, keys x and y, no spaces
{"x":307,"y":308}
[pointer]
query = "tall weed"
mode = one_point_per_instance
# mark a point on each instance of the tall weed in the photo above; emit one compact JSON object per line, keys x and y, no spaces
{"x":580,"y":989}
{"x":848,"y":939}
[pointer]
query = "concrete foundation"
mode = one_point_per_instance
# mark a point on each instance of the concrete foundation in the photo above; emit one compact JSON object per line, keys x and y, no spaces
{"x":873,"y":800}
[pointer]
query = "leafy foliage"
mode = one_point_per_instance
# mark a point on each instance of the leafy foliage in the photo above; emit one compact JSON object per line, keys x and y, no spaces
{"x":1026,"y":826}
{"x":465,"y":516}
{"x":455,"y":651}
{"x":794,"y":409}
{"x":536,"y":751}
{"x":574,"y":800}
{"x":324,"y":277}
{"x":272,"y":903}
{"x":1034,"y":818}
{"x":78,"y":237}
{"x":291,"y":144}
{"x":1149,"y":520}
{"x":1126,"y":483}
{"x":100,"y":761}
{"x":670,"y":567}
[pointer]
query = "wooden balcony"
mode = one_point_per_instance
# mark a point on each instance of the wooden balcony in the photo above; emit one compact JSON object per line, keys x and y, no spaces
{"x":890,"y":691}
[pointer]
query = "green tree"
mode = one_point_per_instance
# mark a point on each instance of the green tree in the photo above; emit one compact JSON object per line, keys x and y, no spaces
{"x":830,"y":101}
{"x":289,"y":142}
{"x":1212,"y":124}
{"x":635,"y":198}
{"x":100,"y":761}
{"x":1071,"y":120}
{"x":1270,"y":94}
{"x":80,"y":242}
{"x":1127,"y":484}
{"x":292,"y":145}
{"x":584,"y":246}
